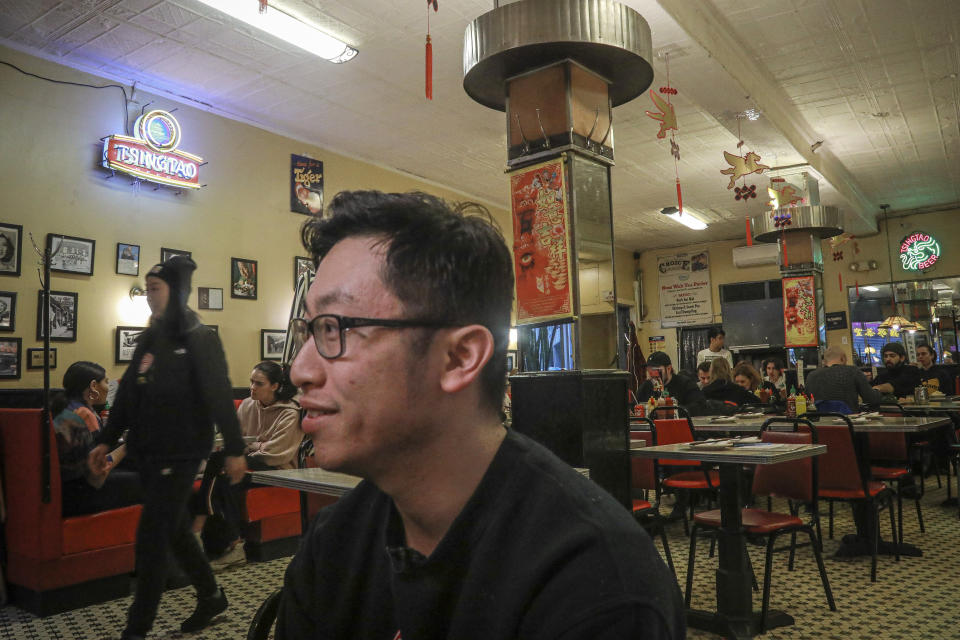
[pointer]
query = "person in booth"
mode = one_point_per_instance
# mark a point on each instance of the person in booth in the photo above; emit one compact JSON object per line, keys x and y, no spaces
{"x":661,"y":376}
{"x":935,"y":377}
{"x":169,"y":397}
{"x":774,"y":381}
{"x":460,"y":527}
{"x":76,"y":423}
{"x":722,"y":387}
{"x":703,"y":373}
{"x":897,"y":378}
{"x":271,"y":418}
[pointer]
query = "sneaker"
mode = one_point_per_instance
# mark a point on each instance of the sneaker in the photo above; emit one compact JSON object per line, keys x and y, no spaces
{"x":235,"y":555}
{"x":207,"y":609}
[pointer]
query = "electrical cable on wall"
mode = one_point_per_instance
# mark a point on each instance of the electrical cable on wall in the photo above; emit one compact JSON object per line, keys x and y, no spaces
{"x":126,"y":100}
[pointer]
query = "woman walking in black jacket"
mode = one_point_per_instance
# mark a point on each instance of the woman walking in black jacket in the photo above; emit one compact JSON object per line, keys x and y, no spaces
{"x":169,"y":398}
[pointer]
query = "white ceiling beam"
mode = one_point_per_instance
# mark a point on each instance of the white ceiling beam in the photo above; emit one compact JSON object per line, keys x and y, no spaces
{"x":703,"y":22}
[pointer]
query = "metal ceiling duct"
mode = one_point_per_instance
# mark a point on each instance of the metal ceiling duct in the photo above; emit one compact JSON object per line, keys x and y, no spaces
{"x":821,"y":221}
{"x":604,"y":36}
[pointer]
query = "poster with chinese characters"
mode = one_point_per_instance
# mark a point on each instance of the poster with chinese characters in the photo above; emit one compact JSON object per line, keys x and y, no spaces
{"x":541,"y":233}
{"x":799,"y":312}
{"x":306,"y":185}
{"x":685,"y":294}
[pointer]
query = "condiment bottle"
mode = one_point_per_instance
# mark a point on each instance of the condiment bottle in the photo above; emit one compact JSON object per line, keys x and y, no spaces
{"x":792,"y":403}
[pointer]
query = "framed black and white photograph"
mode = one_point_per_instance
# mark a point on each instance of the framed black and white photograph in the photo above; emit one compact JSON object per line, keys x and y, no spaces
{"x":63,"y":316}
{"x":166,"y":254}
{"x":11,"y":243}
{"x":35,"y":358}
{"x":272,"y":342}
{"x":70,"y":254}
{"x":243,"y":278}
{"x":302,"y":265}
{"x":10,"y":358}
{"x":126,"y":342}
{"x":209,"y":298}
{"x":128,"y":259}
{"x":8,"y":310}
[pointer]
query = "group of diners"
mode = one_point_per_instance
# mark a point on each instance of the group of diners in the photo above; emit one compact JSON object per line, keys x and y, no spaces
{"x":167,"y":402}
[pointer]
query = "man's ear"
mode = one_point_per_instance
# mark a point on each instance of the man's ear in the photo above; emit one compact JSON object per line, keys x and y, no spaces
{"x":466,"y":352}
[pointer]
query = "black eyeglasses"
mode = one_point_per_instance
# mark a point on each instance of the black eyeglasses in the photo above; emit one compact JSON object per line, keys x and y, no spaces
{"x":328,"y":331}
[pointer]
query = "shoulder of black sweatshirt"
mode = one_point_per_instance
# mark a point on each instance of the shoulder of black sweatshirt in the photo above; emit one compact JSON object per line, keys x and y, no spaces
{"x":538,"y":551}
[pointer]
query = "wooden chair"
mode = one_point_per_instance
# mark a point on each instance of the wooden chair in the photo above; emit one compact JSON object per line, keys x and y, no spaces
{"x":797,"y":482}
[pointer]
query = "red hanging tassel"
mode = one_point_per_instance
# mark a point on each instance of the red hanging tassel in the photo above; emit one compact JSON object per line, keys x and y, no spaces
{"x":840,"y":280}
{"x":429,"y":69}
{"x":749,"y":235}
{"x":783,"y":246}
{"x":679,"y":197}
{"x":857,"y":285}
{"x":263,"y":6}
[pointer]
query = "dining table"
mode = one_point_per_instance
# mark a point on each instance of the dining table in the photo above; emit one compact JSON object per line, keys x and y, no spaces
{"x":734,"y":617}
{"x":311,"y":480}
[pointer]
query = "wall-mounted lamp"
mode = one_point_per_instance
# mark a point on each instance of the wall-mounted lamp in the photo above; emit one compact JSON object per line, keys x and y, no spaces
{"x":136,"y":290}
{"x":133,"y":309}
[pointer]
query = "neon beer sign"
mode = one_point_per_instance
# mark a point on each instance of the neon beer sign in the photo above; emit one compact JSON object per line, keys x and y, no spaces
{"x":153,"y":155}
{"x":919,"y":251}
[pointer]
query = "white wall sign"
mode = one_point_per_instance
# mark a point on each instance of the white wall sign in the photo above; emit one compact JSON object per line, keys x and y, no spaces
{"x":685,"y":294}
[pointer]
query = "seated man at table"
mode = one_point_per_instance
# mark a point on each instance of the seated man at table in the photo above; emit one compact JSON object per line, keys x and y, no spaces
{"x":897,"y":378}
{"x":836,"y":380}
{"x":936,"y":377}
{"x":661,"y":377}
{"x":703,"y":373}
{"x":460,"y":528}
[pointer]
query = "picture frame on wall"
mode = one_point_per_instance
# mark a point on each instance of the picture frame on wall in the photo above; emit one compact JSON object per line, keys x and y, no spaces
{"x":10,"y":358}
{"x":8,"y":310}
{"x":213,"y":327}
{"x":301,"y":265}
{"x":166,"y":254}
{"x":35,"y":358}
{"x":511,"y":362}
{"x":243,"y":278}
{"x":125,"y":343}
{"x":70,"y":254}
{"x":272,"y":343}
{"x":11,"y":245}
{"x":128,"y":259}
{"x":63,"y":316}
{"x":209,"y":299}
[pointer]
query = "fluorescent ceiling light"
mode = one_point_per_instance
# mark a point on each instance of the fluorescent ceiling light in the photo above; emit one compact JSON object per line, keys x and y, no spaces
{"x":870,"y":288}
{"x":686,"y":219}
{"x":287,"y":28}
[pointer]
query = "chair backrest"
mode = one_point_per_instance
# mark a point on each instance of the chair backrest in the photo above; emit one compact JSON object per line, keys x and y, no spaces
{"x":833,"y":406}
{"x":674,"y":431}
{"x":888,"y":446}
{"x":643,"y":474}
{"x":796,"y":479}
{"x":839,"y":468}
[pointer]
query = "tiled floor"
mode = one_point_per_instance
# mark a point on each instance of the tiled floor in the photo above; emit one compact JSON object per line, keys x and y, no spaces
{"x":915,"y":599}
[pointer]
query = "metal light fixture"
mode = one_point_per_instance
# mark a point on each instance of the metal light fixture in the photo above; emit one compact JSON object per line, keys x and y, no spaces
{"x":136,"y":290}
{"x":287,"y":28}
{"x":685,"y":218}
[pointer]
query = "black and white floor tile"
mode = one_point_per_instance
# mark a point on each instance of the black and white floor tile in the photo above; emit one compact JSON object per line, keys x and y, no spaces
{"x":914,"y":599}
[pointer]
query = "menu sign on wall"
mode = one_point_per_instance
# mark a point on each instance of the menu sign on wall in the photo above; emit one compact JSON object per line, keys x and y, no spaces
{"x":685,"y":294}
{"x":541,"y":232}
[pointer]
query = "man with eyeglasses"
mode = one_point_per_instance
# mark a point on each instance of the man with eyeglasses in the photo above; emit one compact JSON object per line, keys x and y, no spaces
{"x":460,"y":529}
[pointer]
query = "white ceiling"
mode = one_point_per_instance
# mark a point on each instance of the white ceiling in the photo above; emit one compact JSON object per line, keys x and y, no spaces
{"x":875,"y":80}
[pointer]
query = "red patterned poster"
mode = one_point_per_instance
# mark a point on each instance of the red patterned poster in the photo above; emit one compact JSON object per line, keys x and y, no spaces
{"x":799,"y":312}
{"x":541,"y":234}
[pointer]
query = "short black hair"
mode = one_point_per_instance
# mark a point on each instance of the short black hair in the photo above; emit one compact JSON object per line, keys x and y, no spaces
{"x":704,"y":366}
{"x":445,"y":263}
{"x":777,"y":364}
{"x":713,"y":332}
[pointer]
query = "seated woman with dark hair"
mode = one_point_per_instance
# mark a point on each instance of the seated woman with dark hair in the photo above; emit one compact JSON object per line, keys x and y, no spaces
{"x":271,"y":419}
{"x":76,"y":422}
{"x":721,"y":386}
{"x":746,"y":376}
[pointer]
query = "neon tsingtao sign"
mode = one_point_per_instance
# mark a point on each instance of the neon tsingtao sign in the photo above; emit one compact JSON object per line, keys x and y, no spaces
{"x":153,"y":155}
{"x":919,"y":251}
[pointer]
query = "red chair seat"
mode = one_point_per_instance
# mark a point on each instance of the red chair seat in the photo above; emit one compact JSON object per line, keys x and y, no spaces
{"x":754,"y":520}
{"x":874,"y":487}
{"x":264,"y":502}
{"x":693,"y":480}
{"x":641,"y":505}
{"x":889,"y":473}
{"x":100,"y":530}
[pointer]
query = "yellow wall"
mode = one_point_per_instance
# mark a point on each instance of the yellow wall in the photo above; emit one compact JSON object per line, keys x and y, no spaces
{"x":942,"y":225}
{"x":50,"y":182}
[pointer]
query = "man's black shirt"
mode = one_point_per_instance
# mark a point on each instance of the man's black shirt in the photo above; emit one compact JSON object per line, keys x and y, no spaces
{"x":904,"y":378}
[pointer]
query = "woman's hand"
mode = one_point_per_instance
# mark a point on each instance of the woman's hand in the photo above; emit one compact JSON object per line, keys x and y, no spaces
{"x":97,"y":460}
{"x":235,"y":467}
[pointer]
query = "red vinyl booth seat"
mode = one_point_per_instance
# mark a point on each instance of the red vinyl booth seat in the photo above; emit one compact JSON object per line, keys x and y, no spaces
{"x":272,"y":513}
{"x":45,"y":551}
